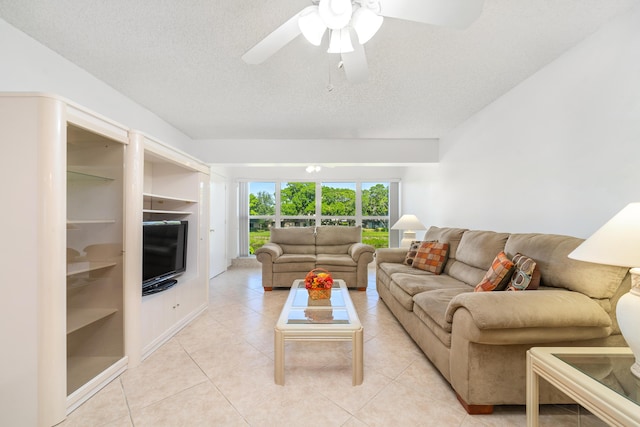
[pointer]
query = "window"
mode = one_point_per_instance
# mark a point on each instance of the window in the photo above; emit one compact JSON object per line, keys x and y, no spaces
{"x":304,"y":204}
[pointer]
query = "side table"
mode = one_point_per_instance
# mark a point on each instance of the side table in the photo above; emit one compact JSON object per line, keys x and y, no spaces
{"x":598,"y":378}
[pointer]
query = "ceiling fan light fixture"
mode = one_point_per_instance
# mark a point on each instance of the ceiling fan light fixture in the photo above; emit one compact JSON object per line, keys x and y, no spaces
{"x":366,"y":23}
{"x":340,"y":41}
{"x":335,"y":14}
{"x":311,"y":25}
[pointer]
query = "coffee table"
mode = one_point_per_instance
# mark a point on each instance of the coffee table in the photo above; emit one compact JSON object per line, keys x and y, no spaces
{"x":304,"y":319}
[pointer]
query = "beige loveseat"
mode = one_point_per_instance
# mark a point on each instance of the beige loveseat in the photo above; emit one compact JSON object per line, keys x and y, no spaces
{"x":292,"y":252}
{"x":478,"y":340}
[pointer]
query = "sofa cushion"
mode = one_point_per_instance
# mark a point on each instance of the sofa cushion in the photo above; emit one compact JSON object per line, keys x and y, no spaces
{"x":526,"y":274}
{"x":405,"y":286}
{"x":335,"y":239}
{"x":295,"y":240}
{"x":475,"y":255}
{"x":431,"y":256}
{"x":335,"y":259}
{"x":479,"y":248}
{"x":557,"y":270}
{"x":452,"y":236}
{"x":498,"y":275}
{"x":433,"y":304}
{"x":411,"y":253}
{"x":392,"y":268}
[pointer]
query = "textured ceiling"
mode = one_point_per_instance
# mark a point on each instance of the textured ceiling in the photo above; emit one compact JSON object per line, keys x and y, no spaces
{"x":181,"y":60}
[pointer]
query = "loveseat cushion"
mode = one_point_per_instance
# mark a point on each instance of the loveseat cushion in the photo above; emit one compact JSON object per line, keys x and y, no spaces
{"x":295,"y":240}
{"x":335,"y":260}
{"x":336,"y":239}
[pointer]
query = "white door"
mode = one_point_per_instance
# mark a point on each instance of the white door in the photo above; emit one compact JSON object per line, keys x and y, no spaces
{"x":218,"y":226}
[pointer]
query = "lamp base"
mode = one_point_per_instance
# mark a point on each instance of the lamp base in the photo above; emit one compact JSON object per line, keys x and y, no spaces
{"x":407,"y":237}
{"x":628,"y":314}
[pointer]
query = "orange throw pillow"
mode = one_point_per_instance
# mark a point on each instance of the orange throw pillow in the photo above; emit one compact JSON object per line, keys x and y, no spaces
{"x":431,"y":256}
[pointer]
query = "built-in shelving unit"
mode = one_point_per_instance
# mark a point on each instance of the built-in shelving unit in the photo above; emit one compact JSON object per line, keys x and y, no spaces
{"x":95,"y":244}
{"x":76,"y":318}
{"x":175,"y":187}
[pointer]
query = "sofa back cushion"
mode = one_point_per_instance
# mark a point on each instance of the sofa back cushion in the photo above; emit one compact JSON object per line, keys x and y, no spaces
{"x":476,"y":252}
{"x":550,"y":252}
{"x":295,"y":240}
{"x":335,"y":239}
{"x":448,"y":235}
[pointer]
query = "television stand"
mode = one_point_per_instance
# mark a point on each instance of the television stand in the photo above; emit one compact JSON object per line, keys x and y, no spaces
{"x":159,"y":287}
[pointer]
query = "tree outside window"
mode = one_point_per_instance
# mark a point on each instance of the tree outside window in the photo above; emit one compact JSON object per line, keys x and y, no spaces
{"x":298,"y":204}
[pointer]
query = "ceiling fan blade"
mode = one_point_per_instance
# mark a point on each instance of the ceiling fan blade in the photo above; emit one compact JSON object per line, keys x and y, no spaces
{"x":355,"y":64}
{"x":273,"y":42}
{"x":452,"y":13}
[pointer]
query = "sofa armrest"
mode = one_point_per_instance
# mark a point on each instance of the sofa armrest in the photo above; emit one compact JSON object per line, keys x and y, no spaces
{"x":269,"y":252}
{"x":358,"y":249}
{"x":396,"y":255}
{"x":527,"y":316}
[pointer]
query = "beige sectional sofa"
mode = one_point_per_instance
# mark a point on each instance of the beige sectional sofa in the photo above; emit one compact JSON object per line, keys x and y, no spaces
{"x":478,"y":340}
{"x":292,"y":252}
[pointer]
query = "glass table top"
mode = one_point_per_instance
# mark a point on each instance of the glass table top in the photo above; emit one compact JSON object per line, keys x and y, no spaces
{"x":611,"y":370}
{"x":305,"y":310}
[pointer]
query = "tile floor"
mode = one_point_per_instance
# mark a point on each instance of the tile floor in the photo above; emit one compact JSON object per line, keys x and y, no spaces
{"x":218,"y":371}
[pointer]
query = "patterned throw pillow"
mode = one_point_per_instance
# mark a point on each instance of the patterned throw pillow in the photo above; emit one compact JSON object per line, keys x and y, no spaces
{"x":411,"y":254}
{"x":497,"y":278}
{"x":431,"y":256}
{"x":526,"y":275}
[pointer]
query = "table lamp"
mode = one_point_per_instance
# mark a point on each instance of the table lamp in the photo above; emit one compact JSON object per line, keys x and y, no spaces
{"x":618,"y":243}
{"x":408,"y":223}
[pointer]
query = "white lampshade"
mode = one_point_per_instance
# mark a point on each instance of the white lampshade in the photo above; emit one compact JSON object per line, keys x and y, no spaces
{"x":340,"y":41}
{"x":311,"y":25}
{"x":366,"y":23}
{"x":615,"y":243}
{"x":336,"y":14}
{"x":408,"y":222}
{"x":618,"y":243}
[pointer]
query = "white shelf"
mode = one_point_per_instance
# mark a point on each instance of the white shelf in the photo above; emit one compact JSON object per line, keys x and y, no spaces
{"x":78,"y":318}
{"x":82,"y":369}
{"x":78,"y":175}
{"x":158,"y":197}
{"x":156,"y":211}
{"x":86,"y":266}
{"x":90,"y":221}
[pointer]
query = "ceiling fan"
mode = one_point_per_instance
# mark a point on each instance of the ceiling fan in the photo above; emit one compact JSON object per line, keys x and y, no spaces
{"x":351,"y":23}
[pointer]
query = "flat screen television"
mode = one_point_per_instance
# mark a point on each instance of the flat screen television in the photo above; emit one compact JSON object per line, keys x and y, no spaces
{"x":164,"y":254}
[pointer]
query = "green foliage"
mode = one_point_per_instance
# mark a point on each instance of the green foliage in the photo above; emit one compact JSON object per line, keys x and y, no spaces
{"x":338,"y":201}
{"x":298,"y":198}
{"x":375,"y":201}
{"x":262,"y":203}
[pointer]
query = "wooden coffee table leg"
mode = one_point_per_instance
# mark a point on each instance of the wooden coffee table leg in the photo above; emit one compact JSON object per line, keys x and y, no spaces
{"x":358,"y":362}
{"x":279,"y":357}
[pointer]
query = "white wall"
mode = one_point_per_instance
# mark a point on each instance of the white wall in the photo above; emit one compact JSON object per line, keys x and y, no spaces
{"x":28,"y":66}
{"x":557,"y":154}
